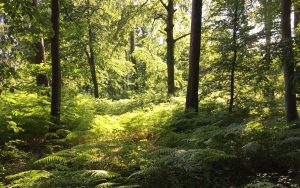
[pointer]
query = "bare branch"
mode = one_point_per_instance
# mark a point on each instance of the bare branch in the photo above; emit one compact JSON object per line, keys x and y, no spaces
{"x":160,"y":16}
{"x":181,"y":37}
{"x":162,"y":32}
{"x":164,"y":4}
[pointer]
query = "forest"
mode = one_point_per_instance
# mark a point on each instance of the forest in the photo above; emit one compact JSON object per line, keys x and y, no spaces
{"x":149,"y":93}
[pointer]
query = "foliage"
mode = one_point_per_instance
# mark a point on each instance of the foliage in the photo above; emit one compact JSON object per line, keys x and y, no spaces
{"x":135,"y":135}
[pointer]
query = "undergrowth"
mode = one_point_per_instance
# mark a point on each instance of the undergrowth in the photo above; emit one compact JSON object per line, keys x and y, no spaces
{"x":146,"y":141}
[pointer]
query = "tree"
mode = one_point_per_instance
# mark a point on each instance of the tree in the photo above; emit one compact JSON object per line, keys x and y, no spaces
{"x":288,"y":62}
{"x":56,"y":74}
{"x":91,"y":54}
{"x":195,"y":51}
{"x":235,"y":51}
{"x":234,"y":44}
{"x":41,"y":79}
{"x":132,"y":58}
{"x":268,"y":12}
{"x":170,"y":43}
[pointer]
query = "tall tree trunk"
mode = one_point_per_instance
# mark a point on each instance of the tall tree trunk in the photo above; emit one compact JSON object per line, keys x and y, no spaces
{"x":297,"y":39}
{"x":288,"y":62}
{"x":195,"y":51}
{"x":91,"y":60}
{"x":170,"y":47}
{"x":234,"y":59}
{"x":41,"y":79}
{"x":268,"y":25}
{"x":296,"y":15}
{"x":133,"y":60}
{"x":56,"y":74}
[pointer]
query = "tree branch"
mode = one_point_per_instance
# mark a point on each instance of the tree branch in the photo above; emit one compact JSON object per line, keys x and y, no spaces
{"x":181,"y":37}
{"x":162,"y":32}
{"x":87,"y":53}
{"x":164,"y":4}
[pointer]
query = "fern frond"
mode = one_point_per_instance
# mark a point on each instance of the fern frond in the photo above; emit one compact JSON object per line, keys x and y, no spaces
{"x":100,"y":174}
{"x":50,"y":160}
{"x":107,"y":185}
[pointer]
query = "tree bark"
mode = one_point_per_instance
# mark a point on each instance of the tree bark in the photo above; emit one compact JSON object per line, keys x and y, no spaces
{"x":132,"y":47}
{"x":133,"y":60}
{"x":56,"y":74}
{"x":91,"y":60}
{"x":41,"y":79}
{"x":192,"y":102}
{"x":233,"y":63}
{"x":288,"y":62}
{"x":170,"y":47}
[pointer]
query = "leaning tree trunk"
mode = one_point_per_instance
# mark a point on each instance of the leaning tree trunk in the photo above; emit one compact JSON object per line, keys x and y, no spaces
{"x":170,"y":47}
{"x":233,"y":63}
{"x":41,"y":79}
{"x":288,"y":62}
{"x":56,"y":75}
{"x":195,"y":51}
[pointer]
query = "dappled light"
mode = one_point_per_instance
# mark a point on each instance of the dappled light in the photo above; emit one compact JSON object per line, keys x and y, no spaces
{"x":149,"y":94}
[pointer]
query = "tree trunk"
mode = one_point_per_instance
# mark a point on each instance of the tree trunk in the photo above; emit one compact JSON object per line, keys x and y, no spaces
{"x":268,"y":25}
{"x":133,"y":60}
{"x":91,"y":60}
{"x":56,"y":75}
{"x":288,"y":62}
{"x":170,"y":47}
{"x":195,"y":51}
{"x":296,"y":16}
{"x":41,"y":79}
{"x":132,"y":47}
{"x":233,"y":63}
{"x":297,"y":39}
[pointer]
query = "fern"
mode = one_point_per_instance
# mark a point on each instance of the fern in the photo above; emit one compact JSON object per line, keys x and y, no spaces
{"x":51,"y":160}
{"x":41,"y":178}
{"x":107,"y":185}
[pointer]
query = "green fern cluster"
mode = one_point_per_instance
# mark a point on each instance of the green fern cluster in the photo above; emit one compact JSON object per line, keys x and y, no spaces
{"x":56,"y":179}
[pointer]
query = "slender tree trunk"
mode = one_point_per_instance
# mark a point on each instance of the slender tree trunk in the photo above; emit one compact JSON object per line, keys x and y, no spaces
{"x":41,"y":79}
{"x":170,"y":47}
{"x":56,"y":74}
{"x":296,"y":16}
{"x":288,"y":62}
{"x":268,"y":35}
{"x":91,"y":60}
{"x":195,"y":51}
{"x":133,"y":60}
{"x":132,"y":47}
{"x":297,"y":39}
{"x":233,"y":63}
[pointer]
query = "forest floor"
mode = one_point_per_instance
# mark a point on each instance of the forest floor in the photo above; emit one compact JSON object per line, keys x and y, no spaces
{"x":145,"y":141}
